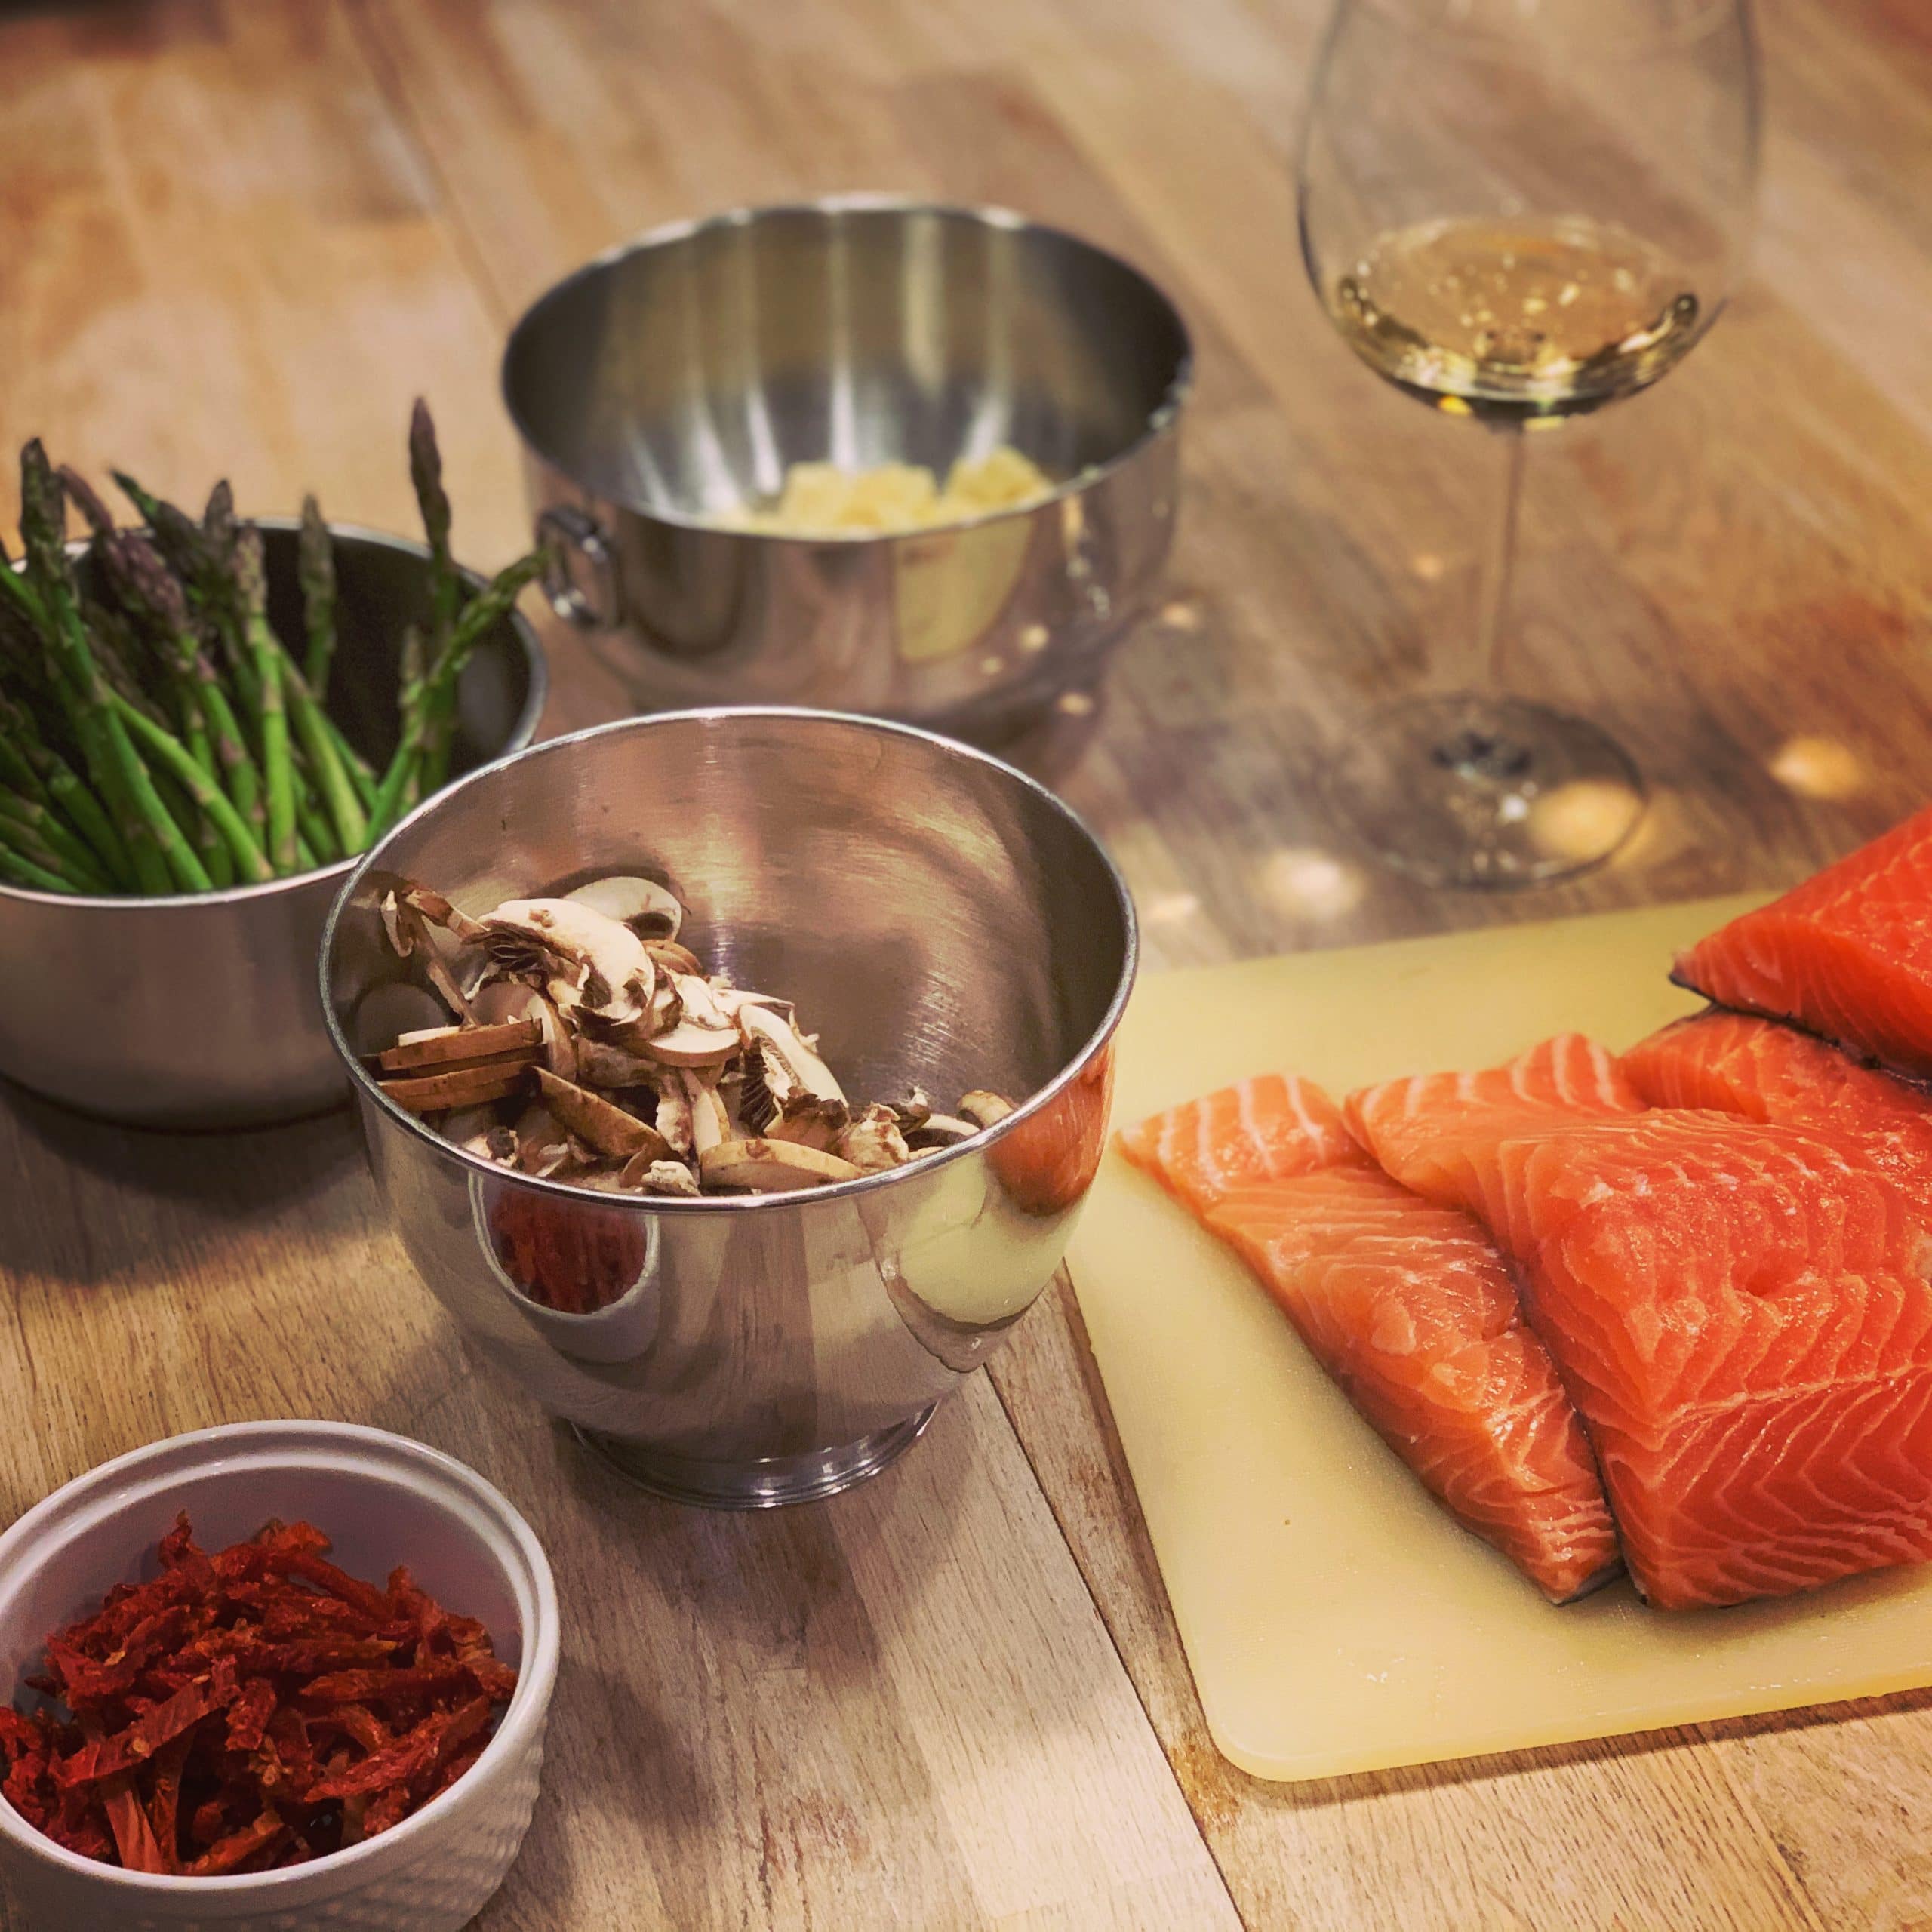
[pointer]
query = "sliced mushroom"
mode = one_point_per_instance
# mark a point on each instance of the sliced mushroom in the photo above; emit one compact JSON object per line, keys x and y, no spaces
{"x":439,"y":913}
{"x":591,"y":963}
{"x":674,"y":1116}
{"x":669,"y":957}
{"x":505,"y":1000}
{"x":772,"y":1166}
{"x":711,"y":1126}
{"x":409,"y":936}
{"x":984,"y":1110}
{"x":811,"y":1122}
{"x":690,"y":1045}
{"x":873,"y":1142}
{"x":463,"y":1087}
{"x":670,"y":1177}
{"x":601,"y":1123}
{"x":397,"y":928}
{"x":454,"y":1046}
{"x":785,"y":1053}
{"x":757,"y":1105}
{"x":542,"y":1145}
{"x":938,"y":1130}
{"x":599,"y":1064}
{"x":735,"y":999}
{"x":475,"y":1129}
{"x":650,"y":910}
{"x":914,"y":1111}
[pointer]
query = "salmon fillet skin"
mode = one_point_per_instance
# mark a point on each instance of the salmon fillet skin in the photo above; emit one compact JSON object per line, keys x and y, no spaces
{"x":1408,"y":1306}
{"x":1848,"y":954}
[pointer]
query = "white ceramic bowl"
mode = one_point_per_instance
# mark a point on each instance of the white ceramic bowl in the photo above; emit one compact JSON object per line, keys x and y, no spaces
{"x":384,"y":1500}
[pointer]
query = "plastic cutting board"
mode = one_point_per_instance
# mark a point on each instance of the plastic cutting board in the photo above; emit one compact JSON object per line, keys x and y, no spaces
{"x":1335,"y":1619}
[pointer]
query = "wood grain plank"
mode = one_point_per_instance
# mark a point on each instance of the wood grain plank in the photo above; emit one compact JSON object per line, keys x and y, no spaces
{"x":217,"y":267}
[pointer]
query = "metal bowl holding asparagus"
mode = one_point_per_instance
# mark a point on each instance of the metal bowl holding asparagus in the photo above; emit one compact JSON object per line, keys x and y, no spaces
{"x":202,"y":721}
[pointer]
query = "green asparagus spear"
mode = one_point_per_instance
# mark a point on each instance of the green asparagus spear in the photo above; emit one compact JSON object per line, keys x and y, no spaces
{"x":144,"y":583}
{"x":278,"y":769}
{"x":484,"y":610}
{"x":337,"y":795}
{"x":64,"y":789}
{"x":315,"y":566}
{"x":426,"y":471}
{"x":82,"y":495}
{"x":161,"y":854}
{"x":172,"y":756}
{"x":17,"y":869}
{"x":218,"y":521}
{"x":37,"y":834}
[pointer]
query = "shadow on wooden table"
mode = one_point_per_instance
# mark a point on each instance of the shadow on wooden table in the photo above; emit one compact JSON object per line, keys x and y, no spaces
{"x":92,"y":1202}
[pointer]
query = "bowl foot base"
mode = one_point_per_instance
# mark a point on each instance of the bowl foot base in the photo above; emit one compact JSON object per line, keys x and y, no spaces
{"x":771,"y":1483}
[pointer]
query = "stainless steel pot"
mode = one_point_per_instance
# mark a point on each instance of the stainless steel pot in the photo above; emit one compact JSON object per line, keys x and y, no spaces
{"x":674,"y":380}
{"x":939,"y":918}
{"x":199,"y":1010}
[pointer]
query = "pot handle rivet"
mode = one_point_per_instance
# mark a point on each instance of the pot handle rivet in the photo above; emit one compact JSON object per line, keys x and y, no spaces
{"x":566,"y":533}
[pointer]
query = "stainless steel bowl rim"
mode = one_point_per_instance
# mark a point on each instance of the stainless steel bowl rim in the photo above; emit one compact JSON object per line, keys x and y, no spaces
{"x":539,"y":687}
{"x":842,"y":1190}
{"x":1159,"y":422}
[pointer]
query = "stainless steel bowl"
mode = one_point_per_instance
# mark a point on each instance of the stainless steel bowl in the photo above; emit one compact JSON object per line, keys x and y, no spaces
{"x":199,"y":1011}
{"x":938,"y":918}
{"x":675,"y":379}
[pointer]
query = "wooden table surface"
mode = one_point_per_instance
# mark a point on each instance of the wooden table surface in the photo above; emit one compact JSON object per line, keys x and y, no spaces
{"x":238,"y":235}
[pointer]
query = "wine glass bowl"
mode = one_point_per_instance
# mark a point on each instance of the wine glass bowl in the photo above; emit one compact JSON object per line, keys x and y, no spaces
{"x":1519,"y":211}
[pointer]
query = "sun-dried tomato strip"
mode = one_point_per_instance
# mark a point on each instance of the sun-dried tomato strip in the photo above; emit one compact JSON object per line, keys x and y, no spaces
{"x":357,"y":1723}
{"x":375,"y":1687}
{"x":387,"y":1812}
{"x":249,"y":1714}
{"x":227,"y":1854}
{"x":423,"y":1748}
{"x":101,"y":1758}
{"x":164,"y":1807}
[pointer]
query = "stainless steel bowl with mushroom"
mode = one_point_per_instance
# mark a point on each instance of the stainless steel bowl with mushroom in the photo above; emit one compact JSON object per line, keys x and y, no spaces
{"x":684,"y":1048}
{"x":585,"y":1044}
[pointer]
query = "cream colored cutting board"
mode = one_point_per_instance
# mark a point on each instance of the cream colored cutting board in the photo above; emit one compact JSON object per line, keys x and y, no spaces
{"x":1336,"y":1620}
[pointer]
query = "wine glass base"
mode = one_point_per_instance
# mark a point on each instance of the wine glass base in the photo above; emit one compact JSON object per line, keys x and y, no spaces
{"x":1483,"y":793}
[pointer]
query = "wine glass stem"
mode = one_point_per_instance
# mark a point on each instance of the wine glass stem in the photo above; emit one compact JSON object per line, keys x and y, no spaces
{"x":1477,"y":751}
{"x":1499,"y":567}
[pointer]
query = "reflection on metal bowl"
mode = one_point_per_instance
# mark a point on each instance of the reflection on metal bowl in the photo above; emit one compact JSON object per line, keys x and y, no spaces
{"x":670,"y":382}
{"x":939,"y":918}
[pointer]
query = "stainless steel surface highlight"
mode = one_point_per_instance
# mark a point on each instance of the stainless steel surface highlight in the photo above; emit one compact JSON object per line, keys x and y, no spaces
{"x":199,"y":1011}
{"x":939,"y":918}
{"x":675,"y":379}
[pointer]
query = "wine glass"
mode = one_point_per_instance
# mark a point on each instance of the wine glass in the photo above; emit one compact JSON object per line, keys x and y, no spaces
{"x":1518,"y":211}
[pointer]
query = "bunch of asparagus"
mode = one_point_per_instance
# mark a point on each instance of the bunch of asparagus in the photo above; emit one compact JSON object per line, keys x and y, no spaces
{"x":157,"y":736}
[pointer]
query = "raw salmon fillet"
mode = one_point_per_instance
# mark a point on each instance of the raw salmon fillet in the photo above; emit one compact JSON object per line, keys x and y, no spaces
{"x":1848,"y":954}
{"x":1742,"y":1314}
{"x":1412,"y":1311}
{"x":1267,"y":1129}
{"x":1736,"y":1063}
{"x":1424,"y":1131}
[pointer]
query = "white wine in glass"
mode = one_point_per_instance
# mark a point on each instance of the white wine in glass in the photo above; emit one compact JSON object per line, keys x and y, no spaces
{"x":1519,"y":211}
